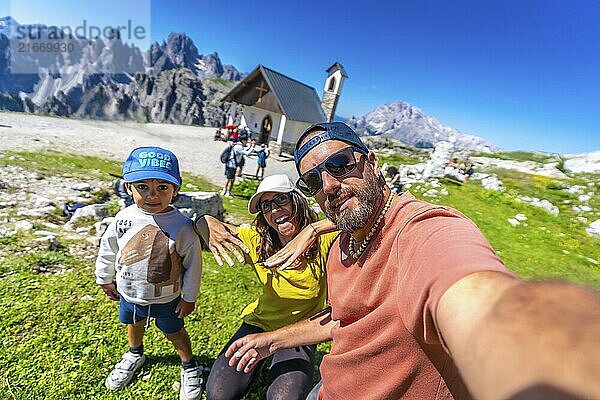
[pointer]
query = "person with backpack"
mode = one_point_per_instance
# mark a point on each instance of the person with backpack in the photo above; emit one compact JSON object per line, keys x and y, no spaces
{"x":233,"y":158}
{"x":261,"y":160}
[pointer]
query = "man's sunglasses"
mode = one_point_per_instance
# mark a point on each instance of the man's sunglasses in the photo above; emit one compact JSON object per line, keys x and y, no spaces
{"x":337,"y":165}
{"x":281,"y":200}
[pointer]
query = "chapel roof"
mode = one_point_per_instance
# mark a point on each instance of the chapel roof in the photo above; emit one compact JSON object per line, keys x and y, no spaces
{"x":287,"y":96}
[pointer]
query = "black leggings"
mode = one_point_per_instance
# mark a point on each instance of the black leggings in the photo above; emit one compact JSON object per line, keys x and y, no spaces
{"x":290,"y":376}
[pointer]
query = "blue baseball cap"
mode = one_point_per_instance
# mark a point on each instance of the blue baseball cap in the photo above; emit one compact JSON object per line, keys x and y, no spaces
{"x":331,"y":131}
{"x":152,"y":163}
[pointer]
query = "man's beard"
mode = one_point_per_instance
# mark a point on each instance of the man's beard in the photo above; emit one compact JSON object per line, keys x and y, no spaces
{"x":355,"y":218}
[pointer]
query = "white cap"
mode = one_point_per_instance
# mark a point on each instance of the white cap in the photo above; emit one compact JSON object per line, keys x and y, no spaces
{"x":274,"y":183}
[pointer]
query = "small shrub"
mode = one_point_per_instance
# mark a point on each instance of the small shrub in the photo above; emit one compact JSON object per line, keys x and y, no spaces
{"x":9,"y":240}
{"x":555,"y":185}
{"x":84,"y":221}
{"x":101,"y":196}
{"x":113,"y":207}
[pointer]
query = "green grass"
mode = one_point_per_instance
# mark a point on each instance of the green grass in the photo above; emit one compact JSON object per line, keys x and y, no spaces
{"x":398,"y":159}
{"x":60,"y":334}
{"x":548,"y":247}
{"x":522,"y":156}
{"x":223,"y":82}
{"x":57,"y":343}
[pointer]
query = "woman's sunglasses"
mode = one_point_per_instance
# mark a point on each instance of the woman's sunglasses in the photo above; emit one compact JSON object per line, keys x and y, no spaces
{"x":281,"y":200}
{"x":337,"y":165}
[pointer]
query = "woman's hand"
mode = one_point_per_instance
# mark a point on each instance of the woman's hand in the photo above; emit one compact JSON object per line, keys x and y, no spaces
{"x":287,"y":258}
{"x":221,"y":239}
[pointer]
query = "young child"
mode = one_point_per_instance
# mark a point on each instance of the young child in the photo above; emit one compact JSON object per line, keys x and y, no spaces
{"x":261,"y":160}
{"x":153,"y":251}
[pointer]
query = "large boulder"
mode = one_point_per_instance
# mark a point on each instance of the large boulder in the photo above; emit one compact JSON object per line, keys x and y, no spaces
{"x":583,"y":163}
{"x":438,"y":160}
{"x":594,"y":228}
{"x":193,"y":204}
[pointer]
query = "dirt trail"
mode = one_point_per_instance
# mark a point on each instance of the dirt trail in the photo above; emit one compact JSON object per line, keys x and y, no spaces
{"x":198,"y":153}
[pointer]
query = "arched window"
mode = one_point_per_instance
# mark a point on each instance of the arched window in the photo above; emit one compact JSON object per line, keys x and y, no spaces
{"x":332,"y":82}
{"x":267,"y":124}
{"x":265,"y":130}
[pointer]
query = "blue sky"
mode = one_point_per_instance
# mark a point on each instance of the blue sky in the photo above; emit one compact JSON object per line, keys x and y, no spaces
{"x":522,"y":74}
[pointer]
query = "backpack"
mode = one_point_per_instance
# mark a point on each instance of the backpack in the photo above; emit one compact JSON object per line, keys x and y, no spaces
{"x":262,"y":157}
{"x":225,"y":154}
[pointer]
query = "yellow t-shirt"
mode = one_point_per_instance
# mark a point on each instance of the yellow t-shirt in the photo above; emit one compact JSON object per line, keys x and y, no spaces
{"x":288,"y":296}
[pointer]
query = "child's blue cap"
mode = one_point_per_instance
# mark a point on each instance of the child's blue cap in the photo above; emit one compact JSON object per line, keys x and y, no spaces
{"x":152,"y":163}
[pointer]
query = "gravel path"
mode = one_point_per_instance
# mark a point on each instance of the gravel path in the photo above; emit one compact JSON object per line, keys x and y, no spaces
{"x":198,"y":153}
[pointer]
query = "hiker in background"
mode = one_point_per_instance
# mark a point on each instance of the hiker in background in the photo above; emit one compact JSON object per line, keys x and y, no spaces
{"x":395,"y":183}
{"x":287,"y":296}
{"x":233,"y":157}
{"x":226,"y":136}
{"x":421,"y":305}
{"x":453,"y":163}
{"x":251,"y":148}
{"x":467,"y":170}
{"x":248,"y":132}
{"x":154,"y":253}
{"x":454,"y":173}
{"x":218,"y":134}
{"x":261,"y":160}
{"x":247,"y":150}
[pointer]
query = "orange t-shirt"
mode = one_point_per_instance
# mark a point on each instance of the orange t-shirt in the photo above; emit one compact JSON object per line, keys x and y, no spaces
{"x":387,"y":346}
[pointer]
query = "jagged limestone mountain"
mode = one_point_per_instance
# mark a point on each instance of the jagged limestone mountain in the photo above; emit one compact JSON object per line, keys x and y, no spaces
{"x":109,"y":79}
{"x":173,"y":96}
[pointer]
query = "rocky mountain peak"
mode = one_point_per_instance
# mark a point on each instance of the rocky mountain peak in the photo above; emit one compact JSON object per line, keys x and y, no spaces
{"x":182,"y":51}
{"x":411,"y":125}
{"x":179,"y":50}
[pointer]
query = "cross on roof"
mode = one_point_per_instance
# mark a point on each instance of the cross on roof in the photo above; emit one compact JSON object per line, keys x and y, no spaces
{"x":260,"y":89}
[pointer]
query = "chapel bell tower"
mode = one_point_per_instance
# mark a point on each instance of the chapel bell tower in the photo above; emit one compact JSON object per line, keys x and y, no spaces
{"x":332,"y":90}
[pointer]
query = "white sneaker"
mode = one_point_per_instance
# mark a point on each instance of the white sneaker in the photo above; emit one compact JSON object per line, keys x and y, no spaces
{"x":223,"y":191}
{"x":228,"y":195}
{"x":191,"y":383}
{"x":124,"y":370}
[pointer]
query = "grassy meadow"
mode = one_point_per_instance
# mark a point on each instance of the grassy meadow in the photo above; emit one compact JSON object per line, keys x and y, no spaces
{"x":60,"y":335}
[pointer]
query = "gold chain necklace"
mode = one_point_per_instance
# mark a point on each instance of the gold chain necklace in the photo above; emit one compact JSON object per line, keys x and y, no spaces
{"x":357,"y":253}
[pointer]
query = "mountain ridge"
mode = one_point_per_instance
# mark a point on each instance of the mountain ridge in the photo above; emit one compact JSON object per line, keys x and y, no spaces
{"x":108,"y":72}
{"x":409,"y":124}
{"x":103,"y":78}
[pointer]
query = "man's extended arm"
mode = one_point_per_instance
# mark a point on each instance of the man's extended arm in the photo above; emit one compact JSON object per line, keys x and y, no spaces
{"x":522,"y":340}
{"x":248,"y":350}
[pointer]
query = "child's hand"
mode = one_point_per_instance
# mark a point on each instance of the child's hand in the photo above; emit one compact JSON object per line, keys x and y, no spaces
{"x":184,"y":308}
{"x":111,"y":291}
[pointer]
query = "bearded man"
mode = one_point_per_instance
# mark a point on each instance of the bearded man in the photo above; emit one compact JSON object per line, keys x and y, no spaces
{"x":421,"y":306}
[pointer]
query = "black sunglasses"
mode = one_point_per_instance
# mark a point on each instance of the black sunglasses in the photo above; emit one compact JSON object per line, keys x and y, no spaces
{"x":337,"y":165}
{"x":281,"y":200}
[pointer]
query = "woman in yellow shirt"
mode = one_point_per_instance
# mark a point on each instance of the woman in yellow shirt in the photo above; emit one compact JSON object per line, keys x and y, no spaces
{"x":288,"y":295}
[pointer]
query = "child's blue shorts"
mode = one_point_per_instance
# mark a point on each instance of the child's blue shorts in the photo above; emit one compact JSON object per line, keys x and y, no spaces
{"x":164,"y":314}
